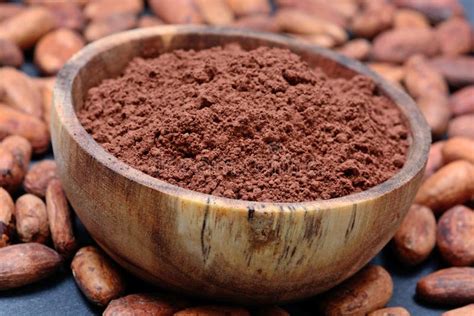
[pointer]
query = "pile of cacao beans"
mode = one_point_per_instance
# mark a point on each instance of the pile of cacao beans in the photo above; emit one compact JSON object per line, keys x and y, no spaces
{"x":422,"y":46}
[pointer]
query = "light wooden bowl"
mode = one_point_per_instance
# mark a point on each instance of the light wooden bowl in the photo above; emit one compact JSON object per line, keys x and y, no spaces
{"x":210,"y":246}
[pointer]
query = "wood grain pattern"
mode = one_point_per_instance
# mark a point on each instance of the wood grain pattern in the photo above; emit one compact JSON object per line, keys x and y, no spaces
{"x":210,"y":246}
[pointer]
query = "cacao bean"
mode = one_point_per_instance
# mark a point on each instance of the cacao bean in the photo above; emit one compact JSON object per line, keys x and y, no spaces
{"x":421,"y":79}
{"x":20,"y":92}
{"x":67,"y":15}
{"x":453,"y":286}
{"x":31,"y":219}
{"x":458,"y":148}
{"x":457,"y":70}
{"x":15,"y":122}
{"x":26,"y":28}
{"x":435,"y":10}
{"x":462,"y":101}
{"x":318,"y":39}
{"x":7,"y":218}
{"x":145,"y":304}
{"x":357,"y":48}
{"x":435,"y":159}
{"x":451,"y":185}
{"x":249,"y":7}
{"x":215,"y":12}
{"x":259,"y":22}
{"x":109,"y":25}
{"x":21,"y":149}
{"x":24,"y":264}
{"x":467,"y":310}
{"x":60,"y":223}
{"x":97,"y":276}
{"x":406,"y":18}
{"x":416,"y":238}
{"x":11,"y":172}
{"x":7,"y":10}
{"x":454,"y":36}
{"x":176,"y":11}
{"x":390,"y":311}
{"x":39,"y":176}
{"x":55,"y":48}
{"x":390,"y":72}
{"x":271,"y":311}
{"x":455,"y":237}
{"x":10,"y":54}
{"x":462,"y":126}
{"x":371,"y":22}
{"x":99,"y":9}
{"x":366,"y":291}
{"x":213,"y":310}
{"x":436,"y":111}
{"x":299,"y":22}
{"x":335,"y":12}
{"x":149,"y":21}
{"x":398,"y":45}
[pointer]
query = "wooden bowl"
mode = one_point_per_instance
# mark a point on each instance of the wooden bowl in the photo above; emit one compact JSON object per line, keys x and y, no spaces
{"x":215,"y":247}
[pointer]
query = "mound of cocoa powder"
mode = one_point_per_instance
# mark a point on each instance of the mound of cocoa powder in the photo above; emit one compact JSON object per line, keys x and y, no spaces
{"x":257,"y":125}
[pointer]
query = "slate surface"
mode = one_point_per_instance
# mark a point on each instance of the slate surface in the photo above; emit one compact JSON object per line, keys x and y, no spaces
{"x":60,"y":296}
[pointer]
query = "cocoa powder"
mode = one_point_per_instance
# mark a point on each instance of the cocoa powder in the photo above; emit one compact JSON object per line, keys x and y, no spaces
{"x":257,"y":125}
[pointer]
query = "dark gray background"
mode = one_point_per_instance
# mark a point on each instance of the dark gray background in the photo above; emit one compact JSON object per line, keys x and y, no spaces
{"x":60,"y":296}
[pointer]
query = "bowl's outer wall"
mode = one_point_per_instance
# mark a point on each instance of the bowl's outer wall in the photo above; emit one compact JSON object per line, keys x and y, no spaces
{"x":214,"y":247}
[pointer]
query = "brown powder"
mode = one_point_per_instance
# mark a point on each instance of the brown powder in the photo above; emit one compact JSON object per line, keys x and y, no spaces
{"x":255,"y":125}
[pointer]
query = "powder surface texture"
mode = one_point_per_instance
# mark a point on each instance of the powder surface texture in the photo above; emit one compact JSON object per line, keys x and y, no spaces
{"x":259,"y":125}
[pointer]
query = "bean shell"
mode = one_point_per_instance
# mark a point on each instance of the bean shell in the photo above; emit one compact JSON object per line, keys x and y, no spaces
{"x":38,"y":177}
{"x":462,"y":126}
{"x":24,"y":264}
{"x":455,"y":236}
{"x":451,"y":185}
{"x":21,"y":149}
{"x":454,"y":36}
{"x":457,"y":70}
{"x":176,"y":11}
{"x":33,"y":129}
{"x":55,"y":48}
{"x":366,"y":291}
{"x":458,"y":148}
{"x":435,"y":159}
{"x":421,"y":79}
{"x":390,"y":311}
{"x":20,"y":92}
{"x":416,"y":237}
{"x":213,"y":310}
{"x":406,"y":18}
{"x":467,"y":310}
{"x":145,"y":304}
{"x":31,"y":219}
{"x":462,"y":101}
{"x":7,"y":218}
{"x":97,"y":276}
{"x":27,"y":27}
{"x":10,"y":54}
{"x":398,"y":45}
{"x":451,"y":286}
{"x":59,"y":216}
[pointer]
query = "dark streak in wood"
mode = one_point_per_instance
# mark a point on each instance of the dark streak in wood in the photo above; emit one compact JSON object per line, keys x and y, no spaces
{"x":205,"y":248}
{"x":351,"y":221}
{"x":293,"y":252}
{"x":251,"y":212}
{"x":312,"y":229}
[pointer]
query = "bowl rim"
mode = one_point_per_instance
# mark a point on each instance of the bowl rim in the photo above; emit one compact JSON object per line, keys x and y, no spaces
{"x":63,"y":105}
